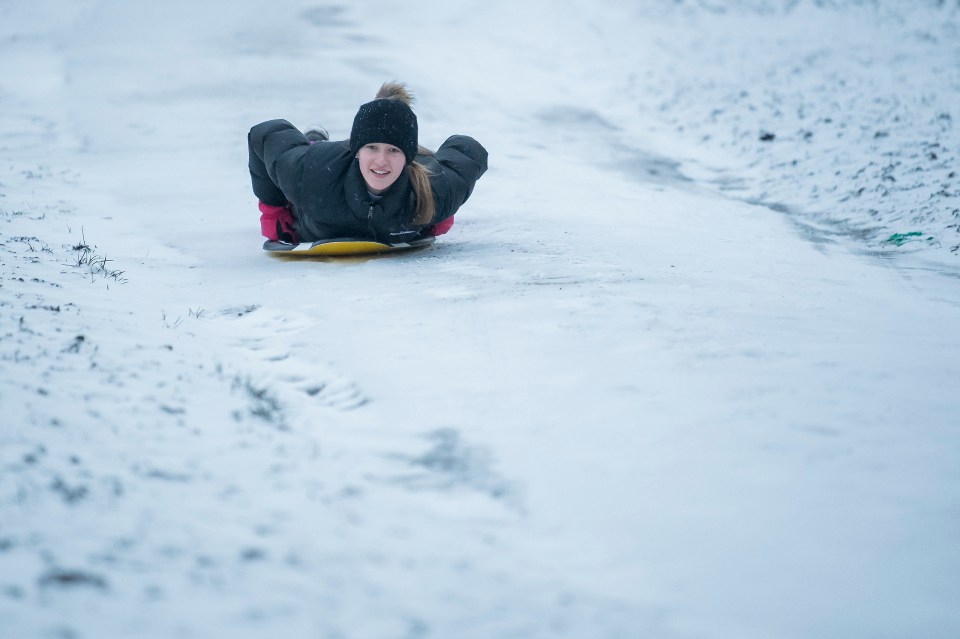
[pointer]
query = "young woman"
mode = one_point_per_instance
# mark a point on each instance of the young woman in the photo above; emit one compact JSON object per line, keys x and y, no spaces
{"x":380,"y":184}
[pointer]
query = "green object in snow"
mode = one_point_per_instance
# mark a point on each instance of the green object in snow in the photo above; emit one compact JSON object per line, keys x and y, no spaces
{"x":899,"y":239}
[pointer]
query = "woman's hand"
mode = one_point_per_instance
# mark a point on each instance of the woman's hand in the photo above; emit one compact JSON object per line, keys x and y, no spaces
{"x":276,"y":223}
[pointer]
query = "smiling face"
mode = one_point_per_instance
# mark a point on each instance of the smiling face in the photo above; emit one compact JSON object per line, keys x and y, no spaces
{"x":380,"y":165}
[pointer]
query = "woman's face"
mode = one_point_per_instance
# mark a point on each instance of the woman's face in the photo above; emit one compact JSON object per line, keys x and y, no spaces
{"x":380,"y":165}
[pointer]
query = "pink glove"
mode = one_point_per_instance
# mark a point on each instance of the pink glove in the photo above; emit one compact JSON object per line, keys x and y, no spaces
{"x":441,"y":227}
{"x":276,"y":223}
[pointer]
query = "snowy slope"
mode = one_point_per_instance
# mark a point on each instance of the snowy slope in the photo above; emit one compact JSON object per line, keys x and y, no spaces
{"x":663,"y":378}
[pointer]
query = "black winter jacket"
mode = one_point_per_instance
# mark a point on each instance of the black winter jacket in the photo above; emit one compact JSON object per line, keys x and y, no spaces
{"x":330,"y":199}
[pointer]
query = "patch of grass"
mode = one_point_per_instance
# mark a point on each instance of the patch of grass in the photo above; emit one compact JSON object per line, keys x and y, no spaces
{"x":6,"y":214}
{"x":61,"y":578}
{"x":168,"y":324}
{"x":195,"y":314}
{"x":97,"y":264}
{"x":263,"y":404}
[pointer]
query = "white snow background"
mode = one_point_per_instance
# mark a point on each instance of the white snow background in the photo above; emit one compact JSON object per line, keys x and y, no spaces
{"x":687,"y":365}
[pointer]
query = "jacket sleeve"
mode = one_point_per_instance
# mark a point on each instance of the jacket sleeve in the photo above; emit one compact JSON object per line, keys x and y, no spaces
{"x":276,"y":161}
{"x":462,"y":161}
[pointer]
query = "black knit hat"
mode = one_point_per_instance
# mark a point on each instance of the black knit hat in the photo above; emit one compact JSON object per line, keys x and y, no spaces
{"x":388,"y":122}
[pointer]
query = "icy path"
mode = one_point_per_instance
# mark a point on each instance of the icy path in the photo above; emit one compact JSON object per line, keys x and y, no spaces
{"x":609,"y":404}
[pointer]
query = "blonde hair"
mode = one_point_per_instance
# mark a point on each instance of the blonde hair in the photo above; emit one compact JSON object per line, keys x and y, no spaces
{"x":419,"y":174}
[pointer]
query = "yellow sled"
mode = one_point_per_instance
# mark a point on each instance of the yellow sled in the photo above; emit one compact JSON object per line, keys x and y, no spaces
{"x":341,"y":247}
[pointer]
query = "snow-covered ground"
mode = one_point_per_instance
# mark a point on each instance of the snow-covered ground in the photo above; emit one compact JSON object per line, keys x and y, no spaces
{"x":686,"y":366}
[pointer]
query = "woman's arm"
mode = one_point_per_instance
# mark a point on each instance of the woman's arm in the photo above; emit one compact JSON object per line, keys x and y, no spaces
{"x":276,"y":151}
{"x":462,"y":160}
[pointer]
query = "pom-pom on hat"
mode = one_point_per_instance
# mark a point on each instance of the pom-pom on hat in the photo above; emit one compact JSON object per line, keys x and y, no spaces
{"x":388,"y":122}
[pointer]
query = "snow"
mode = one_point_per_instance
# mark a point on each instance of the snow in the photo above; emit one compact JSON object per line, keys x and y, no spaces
{"x":664,"y":378}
